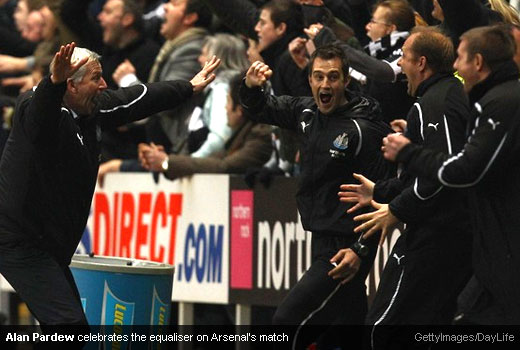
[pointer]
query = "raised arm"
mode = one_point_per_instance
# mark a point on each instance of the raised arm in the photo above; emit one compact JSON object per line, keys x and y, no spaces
{"x":362,"y":62}
{"x":128,"y":104}
{"x":281,"y":111}
{"x":43,"y":113}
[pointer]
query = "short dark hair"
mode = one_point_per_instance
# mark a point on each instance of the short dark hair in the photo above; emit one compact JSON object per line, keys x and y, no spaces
{"x":329,"y":52}
{"x":288,"y":12}
{"x":136,"y":10}
{"x":438,"y":49}
{"x":401,"y":14}
{"x":495,"y":43}
{"x":234,"y":87}
{"x":202,"y":10}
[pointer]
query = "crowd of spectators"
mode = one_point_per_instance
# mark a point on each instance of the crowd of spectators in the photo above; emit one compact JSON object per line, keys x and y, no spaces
{"x":154,"y":40}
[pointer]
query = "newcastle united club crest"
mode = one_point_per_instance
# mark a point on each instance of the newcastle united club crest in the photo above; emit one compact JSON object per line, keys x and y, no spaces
{"x":341,"y":142}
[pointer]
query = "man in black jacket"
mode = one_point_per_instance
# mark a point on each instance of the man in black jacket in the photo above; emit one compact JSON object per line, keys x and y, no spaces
{"x":488,"y":165}
{"x":339,"y":133}
{"x":431,"y":261}
{"x":48,"y":173}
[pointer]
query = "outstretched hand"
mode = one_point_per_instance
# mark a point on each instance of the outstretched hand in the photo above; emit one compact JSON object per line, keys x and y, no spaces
{"x":381,"y":219}
{"x":360,"y":194}
{"x":258,"y":74}
{"x":61,"y":67}
{"x":206,"y":75}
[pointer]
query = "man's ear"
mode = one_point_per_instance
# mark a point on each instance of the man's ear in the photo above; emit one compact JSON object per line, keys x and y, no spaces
{"x":479,"y":62}
{"x":280,"y":30}
{"x":422,"y":63}
{"x":190,"y":19}
{"x":71,"y":86}
{"x":347,"y":80}
{"x":127,"y":20}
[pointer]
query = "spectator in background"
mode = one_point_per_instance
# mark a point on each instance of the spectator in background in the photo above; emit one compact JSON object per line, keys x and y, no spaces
{"x":53,"y":34}
{"x":153,"y":16}
{"x":118,"y":35}
{"x":272,"y":26}
{"x":185,"y":28}
{"x":33,"y":29}
{"x":215,"y":132}
{"x":208,"y":126}
{"x":389,"y":27}
{"x":462,"y":15}
{"x":13,"y":16}
{"x":249,"y":146}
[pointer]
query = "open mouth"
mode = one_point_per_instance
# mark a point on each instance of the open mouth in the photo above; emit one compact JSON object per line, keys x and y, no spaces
{"x":325,"y":97}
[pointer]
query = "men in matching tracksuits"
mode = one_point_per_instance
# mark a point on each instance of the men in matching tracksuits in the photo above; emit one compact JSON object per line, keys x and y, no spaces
{"x":488,"y":165}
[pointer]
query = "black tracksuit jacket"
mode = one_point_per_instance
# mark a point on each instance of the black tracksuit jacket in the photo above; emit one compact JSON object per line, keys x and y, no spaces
{"x":488,"y":164}
{"x":49,"y":167}
{"x":333,"y":147}
{"x":437,"y":121}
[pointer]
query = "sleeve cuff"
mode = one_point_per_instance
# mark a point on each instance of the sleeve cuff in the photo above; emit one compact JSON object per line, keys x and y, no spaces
{"x":128,"y":80}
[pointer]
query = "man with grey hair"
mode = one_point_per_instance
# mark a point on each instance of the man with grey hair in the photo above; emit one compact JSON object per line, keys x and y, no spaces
{"x":48,"y":173}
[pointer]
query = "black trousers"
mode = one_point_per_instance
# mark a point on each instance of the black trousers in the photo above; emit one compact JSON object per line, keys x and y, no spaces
{"x":317,"y":300}
{"x":422,"y":278}
{"x":47,"y":287}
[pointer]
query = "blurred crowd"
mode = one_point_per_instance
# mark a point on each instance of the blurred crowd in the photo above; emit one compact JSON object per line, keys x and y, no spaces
{"x":155,"y":40}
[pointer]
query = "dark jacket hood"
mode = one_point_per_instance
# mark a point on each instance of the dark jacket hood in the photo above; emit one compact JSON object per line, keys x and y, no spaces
{"x":360,"y":106}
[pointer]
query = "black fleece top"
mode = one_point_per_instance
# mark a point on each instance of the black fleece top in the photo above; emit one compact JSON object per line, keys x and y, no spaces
{"x":333,"y":147}
{"x":490,"y":166}
{"x":49,"y":166}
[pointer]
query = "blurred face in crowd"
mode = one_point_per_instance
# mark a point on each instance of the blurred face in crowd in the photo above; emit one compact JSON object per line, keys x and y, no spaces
{"x":110,"y":19}
{"x":81,"y":96}
{"x":49,"y":23}
{"x":328,"y":84}
{"x":20,"y":14}
{"x":379,"y":26}
{"x":267,"y":32}
{"x":175,"y":20}
{"x":33,"y":27}
{"x":203,"y":57}
{"x":410,"y":64}
{"x":253,"y":54}
{"x":437,"y":12}
{"x":466,"y":66}
{"x":234,"y":113}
